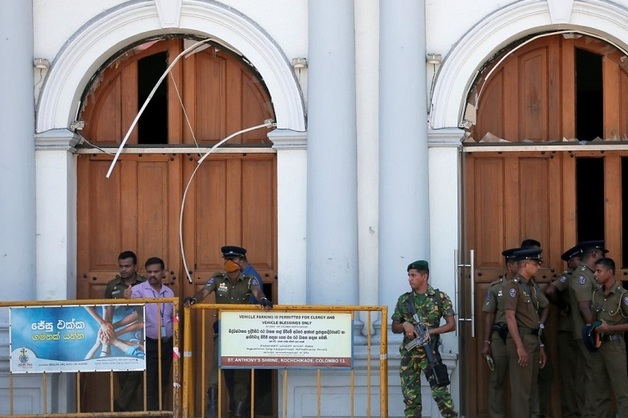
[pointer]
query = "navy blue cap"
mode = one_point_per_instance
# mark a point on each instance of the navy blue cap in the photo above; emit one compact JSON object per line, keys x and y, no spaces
{"x":509,"y":253}
{"x":575,"y":251}
{"x":593,"y":245}
{"x":232,"y":251}
{"x":528,"y":254}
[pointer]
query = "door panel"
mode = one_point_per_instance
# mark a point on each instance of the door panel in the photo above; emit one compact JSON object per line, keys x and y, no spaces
{"x":133,"y":209}
{"x":530,"y":95}
{"x":509,"y":197}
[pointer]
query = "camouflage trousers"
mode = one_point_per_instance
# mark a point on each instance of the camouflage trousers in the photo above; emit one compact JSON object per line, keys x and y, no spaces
{"x":412,"y":363}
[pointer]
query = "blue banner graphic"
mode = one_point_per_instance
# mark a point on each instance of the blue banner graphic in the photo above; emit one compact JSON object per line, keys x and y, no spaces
{"x":76,"y":338}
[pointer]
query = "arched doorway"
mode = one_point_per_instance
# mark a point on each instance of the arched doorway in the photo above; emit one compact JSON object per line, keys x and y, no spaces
{"x":210,"y":93}
{"x":544,"y":158}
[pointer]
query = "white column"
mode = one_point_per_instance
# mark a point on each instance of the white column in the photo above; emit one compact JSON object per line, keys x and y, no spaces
{"x":404,"y":234}
{"x":291,"y":214}
{"x":56,"y":214}
{"x":332,"y":247}
{"x":17,"y":167}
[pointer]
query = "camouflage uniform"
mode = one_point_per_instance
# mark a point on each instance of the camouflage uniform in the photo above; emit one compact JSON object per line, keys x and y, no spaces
{"x":412,"y":362}
{"x":237,"y":292}
{"x":611,"y":370}
{"x":494,"y":303}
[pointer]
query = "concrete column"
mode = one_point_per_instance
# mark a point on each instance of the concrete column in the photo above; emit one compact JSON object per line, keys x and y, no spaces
{"x":291,"y":214}
{"x":404,"y":234}
{"x":56,"y":214}
{"x":332,"y":245}
{"x":17,"y":165}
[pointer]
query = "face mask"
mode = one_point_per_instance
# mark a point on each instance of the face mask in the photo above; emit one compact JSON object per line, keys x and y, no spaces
{"x":231,"y":266}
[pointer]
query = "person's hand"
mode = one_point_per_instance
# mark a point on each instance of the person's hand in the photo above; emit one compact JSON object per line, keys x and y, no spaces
{"x":523,"y":356}
{"x":602,"y":328}
{"x":409,"y":331}
{"x":542,"y":357}
{"x":266,"y":304}
{"x":106,"y":328}
{"x":127,"y":292}
{"x":189,"y":301}
{"x":486,"y":349}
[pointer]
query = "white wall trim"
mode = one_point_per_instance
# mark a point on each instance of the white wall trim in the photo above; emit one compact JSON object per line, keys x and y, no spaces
{"x":598,"y":18}
{"x":117,"y":27}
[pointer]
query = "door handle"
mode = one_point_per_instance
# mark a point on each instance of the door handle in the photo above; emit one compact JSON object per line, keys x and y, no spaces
{"x":471,"y":267}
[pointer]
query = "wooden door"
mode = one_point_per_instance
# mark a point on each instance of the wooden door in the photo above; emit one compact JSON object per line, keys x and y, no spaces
{"x":529,"y":97}
{"x":508,"y":198}
{"x":231,"y":201}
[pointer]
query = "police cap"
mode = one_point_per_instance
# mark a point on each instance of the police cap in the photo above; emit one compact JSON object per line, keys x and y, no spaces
{"x":509,"y":253}
{"x":528,"y":254}
{"x":593,"y":245}
{"x":575,"y":251}
{"x":229,"y":251}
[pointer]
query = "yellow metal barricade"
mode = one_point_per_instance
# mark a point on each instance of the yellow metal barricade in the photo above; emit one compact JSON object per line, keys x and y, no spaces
{"x":195,"y":329}
{"x":78,"y":411}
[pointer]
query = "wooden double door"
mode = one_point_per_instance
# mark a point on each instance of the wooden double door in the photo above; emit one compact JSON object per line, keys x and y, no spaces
{"x":146,"y":205}
{"x":513,"y":196}
{"x":553,"y":181}
{"x":230,"y":201}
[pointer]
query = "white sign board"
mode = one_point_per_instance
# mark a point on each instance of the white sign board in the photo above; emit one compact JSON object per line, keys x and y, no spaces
{"x":286,"y":339}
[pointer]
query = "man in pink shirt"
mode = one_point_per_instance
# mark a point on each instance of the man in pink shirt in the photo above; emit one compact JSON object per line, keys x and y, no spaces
{"x":158,"y":332}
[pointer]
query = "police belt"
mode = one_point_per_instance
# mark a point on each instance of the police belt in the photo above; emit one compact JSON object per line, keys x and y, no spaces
{"x":612,"y":337}
{"x":528,"y":331}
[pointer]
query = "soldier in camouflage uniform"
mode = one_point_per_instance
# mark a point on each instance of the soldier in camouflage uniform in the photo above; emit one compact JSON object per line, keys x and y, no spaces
{"x":431,"y":305}
{"x":236,"y":288}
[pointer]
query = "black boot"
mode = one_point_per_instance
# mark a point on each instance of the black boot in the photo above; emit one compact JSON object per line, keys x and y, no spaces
{"x":212,"y":402}
{"x":240,"y":410}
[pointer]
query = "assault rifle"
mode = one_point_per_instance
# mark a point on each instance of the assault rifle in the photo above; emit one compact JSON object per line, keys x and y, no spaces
{"x":435,"y":367}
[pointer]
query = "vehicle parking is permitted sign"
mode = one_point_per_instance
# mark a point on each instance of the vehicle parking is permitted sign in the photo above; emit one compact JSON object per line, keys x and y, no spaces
{"x":286,"y":340}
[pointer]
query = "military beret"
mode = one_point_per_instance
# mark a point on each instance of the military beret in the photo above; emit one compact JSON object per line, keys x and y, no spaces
{"x":571,"y":253}
{"x":590,"y":338}
{"x":232,"y":251}
{"x":527,"y":254}
{"x":509,"y":253}
{"x":593,"y":245}
{"x":420,"y":265}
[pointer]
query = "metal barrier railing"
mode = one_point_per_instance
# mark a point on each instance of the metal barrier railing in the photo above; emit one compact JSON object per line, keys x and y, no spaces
{"x":191,"y":363}
{"x":69,"y":336}
{"x":183,"y":397}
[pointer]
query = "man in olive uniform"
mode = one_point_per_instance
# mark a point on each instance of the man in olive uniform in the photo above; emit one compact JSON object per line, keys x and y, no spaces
{"x":495,"y":332}
{"x":580,"y":292}
{"x":430,"y":306}
{"x":542,"y":390}
{"x":235,"y":288}
{"x":522,"y":302}
{"x":570,"y":360}
{"x":120,"y":288}
{"x":610,"y":302}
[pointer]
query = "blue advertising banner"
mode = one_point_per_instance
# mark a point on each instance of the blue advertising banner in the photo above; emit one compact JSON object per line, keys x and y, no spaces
{"x":76,"y":338}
